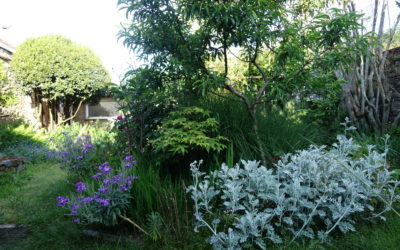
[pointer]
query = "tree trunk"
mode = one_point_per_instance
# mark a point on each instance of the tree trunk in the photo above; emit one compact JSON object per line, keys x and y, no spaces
{"x":253,"y":114}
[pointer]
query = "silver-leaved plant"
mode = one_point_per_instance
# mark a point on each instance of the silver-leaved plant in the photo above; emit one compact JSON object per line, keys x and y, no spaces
{"x":308,"y":194}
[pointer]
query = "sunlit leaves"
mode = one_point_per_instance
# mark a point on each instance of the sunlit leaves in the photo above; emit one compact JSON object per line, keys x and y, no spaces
{"x":58,"y":68}
{"x":189,"y":129}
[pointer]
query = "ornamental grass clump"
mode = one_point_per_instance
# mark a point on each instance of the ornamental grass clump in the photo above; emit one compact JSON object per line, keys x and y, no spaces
{"x":308,"y":194}
{"x":106,"y":198}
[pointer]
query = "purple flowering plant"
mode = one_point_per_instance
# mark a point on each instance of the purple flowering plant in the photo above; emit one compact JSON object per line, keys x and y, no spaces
{"x":103,"y":197}
{"x":73,"y":153}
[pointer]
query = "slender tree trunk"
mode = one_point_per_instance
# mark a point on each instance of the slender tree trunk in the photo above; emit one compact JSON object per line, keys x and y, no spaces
{"x":51,"y":116}
{"x":259,"y":141}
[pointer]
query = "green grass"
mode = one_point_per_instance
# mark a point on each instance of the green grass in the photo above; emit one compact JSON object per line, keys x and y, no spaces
{"x":371,"y":236}
{"x":30,"y":199}
{"x":17,"y":132}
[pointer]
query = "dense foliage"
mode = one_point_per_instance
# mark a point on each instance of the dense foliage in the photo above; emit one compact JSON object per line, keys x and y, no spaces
{"x":55,"y":71}
{"x":4,"y":88}
{"x":188,"y":129}
{"x":185,"y":39}
{"x":144,"y":101}
{"x":308,"y":194}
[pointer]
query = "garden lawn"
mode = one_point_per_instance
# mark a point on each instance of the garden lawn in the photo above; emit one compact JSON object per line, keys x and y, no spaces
{"x":29,"y":198}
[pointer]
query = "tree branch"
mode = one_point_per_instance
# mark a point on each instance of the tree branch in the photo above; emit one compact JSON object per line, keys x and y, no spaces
{"x":76,"y":112}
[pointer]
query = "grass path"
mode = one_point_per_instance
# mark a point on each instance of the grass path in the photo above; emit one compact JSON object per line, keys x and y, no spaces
{"x":30,"y":199}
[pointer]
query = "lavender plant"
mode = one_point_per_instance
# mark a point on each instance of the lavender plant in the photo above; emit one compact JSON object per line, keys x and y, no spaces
{"x":105,"y":200}
{"x":308,"y":194}
{"x":73,"y":153}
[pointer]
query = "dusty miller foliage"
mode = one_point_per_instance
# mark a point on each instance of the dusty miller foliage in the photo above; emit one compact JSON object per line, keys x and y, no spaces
{"x":307,"y":195}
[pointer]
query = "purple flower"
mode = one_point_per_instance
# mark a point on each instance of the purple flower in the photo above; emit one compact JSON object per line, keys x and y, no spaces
{"x":87,"y":200}
{"x":128,"y":180}
{"x":129,"y":158}
{"x":88,"y":147}
{"x":77,"y":220}
{"x":105,"y":168}
{"x":128,"y":165}
{"x":64,"y":155}
{"x":106,"y":181}
{"x":62,"y":201}
{"x":103,"y":190}
{"x":123,"y":188}
{"x":105,"y":164}
{"x":116,"y":179}
{"x":104,"y":202}
{"x":96,"y":176}
{"x":80,"y":186}
{"x":120,"y":118}
{"x":51,"y":154}
{"x":80,"y":157}
{"x":74,"y":209}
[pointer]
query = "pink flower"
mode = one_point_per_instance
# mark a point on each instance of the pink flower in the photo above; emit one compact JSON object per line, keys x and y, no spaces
{"x":120,"y":118}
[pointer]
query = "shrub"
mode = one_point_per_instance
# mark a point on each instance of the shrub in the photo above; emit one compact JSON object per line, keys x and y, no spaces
{"x":106,"y":199}
{"x":187,"y":130}
{"x":74,"y":153}
{"x":80,"y":148}
{"x":309,"y":194}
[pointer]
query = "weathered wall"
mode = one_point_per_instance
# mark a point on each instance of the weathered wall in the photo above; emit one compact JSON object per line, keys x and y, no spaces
{"x":393,"y":75}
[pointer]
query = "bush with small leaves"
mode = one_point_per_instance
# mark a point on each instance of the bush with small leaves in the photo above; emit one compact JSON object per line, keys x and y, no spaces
{"x":188,"y":129}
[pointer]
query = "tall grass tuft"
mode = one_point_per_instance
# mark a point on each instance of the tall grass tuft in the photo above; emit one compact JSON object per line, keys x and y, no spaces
{"x":282,"y":129}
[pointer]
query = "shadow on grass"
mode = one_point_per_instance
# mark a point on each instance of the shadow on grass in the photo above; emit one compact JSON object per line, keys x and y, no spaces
{"x":18,"y":138}
{"x":16,"y":132}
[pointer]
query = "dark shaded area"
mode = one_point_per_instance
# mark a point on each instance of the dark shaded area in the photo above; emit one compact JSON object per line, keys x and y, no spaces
{"x":10,"y":234}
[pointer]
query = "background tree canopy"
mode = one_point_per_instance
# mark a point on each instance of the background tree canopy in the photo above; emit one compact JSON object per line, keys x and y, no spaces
{"x":58,"y":74}
{"x":251,"y":51}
